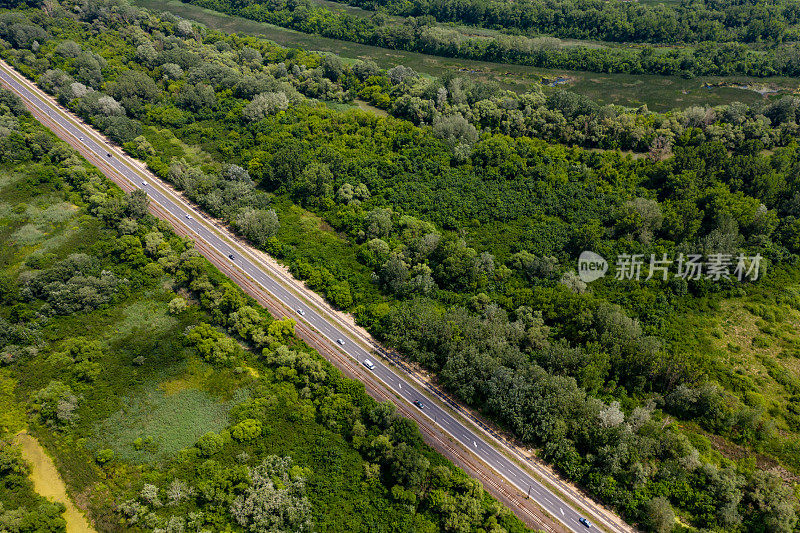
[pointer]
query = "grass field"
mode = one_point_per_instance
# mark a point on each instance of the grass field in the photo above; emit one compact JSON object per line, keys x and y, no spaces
{"x":12,"y":415}
{"x":155,"y":425}
{"x":660,"y":93}
{"x":761,"y":340}
{"x":752,"y":347}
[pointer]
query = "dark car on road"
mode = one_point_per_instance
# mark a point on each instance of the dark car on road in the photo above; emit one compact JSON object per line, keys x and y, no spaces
{"x":419,"y":404}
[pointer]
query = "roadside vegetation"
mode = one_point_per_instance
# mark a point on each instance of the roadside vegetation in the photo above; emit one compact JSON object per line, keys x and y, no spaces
{"x":169,"y":399}
{"x":452,"y":234}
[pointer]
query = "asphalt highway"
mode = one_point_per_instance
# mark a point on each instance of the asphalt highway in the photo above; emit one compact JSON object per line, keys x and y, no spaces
{"x":307,"y":309}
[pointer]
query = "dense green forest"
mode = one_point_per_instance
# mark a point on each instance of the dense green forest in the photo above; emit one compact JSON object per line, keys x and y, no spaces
{"x":457,"y":108}
{"x":170,"y":400}
{"x":452,"y":235}
{"x":714,"y":57}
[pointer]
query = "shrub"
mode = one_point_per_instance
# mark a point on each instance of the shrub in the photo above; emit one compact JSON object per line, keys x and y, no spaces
{"x":56,"y":404}
{"x":210,"y":443}
{"x":247,"y":429}
{"x":177,"y":305}
{"x":104,"y":456}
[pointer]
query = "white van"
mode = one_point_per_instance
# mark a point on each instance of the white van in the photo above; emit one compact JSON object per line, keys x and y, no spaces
{"x":369,"y":364}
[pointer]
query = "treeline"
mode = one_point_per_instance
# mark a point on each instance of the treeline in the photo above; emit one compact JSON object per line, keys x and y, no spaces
{"x":483,"y":228}
{"x":227,"y":477}
{"x":706,"y":58}
{"x":458,"y":109}
{"x":617,"y":21}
